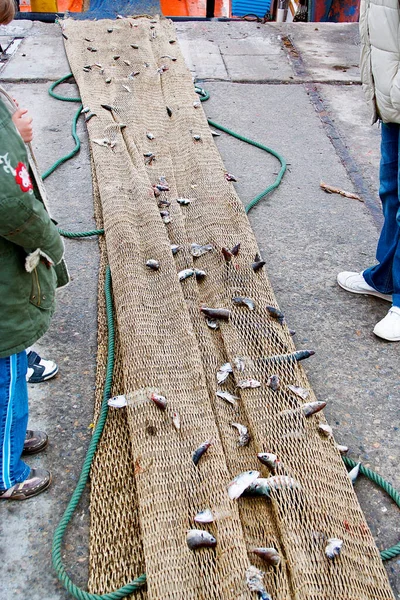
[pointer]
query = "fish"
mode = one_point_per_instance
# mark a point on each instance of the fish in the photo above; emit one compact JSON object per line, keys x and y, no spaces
{"x":198,"y":250}
{"x":149,"y":136}
{"x":288,"y":358}
{"x":197,"y":137}
{"x":127,"y":88}
{"x":333,"y":548}
{"x":117,"y":401}
{"x":223,"y":372}
{"x":173,"y":58}
{"x":325,"y":429}
{"x":64,"y":36}
{"x":169,"y":111}
{"x":230,"y":177}
{"x":196,"y":104}
{"x":153,"y":264}
{"x":92,"y":49}
{"x":159,"y":401}
{"x":204,"y":516}
{"x":239,"y":364}
{"x":163,"y":203}
{"x":128,"y":64}
{"x":244,"y":436}
{"x":199,"y":273}
{"x":263,"y":486}
{"x":274,"y":383}
{"x":108,"y":80}
{"x":107,"y":107}
{"x":116,"y":56}
{"x":166,"y":219}
{"x":89,"y":116}
{"x":164,"y":213}
{"x":276,"y":313}
{"x":175,"y":248}
{"x":212,"y":324}
{"x":216,"y":313}
{"x":134,"y":46}
{"x":242,"y":301}
{"x":176,"y":420}
{"x":133,"y":74}
{"x":270,"y":555}
{"x":299,"y":391}
{"x":162,"y":69}
{"x":227,"y":254}
{"x":235,"y":249}
{"x":254,"y":580}
{"x":198,"y":538}
{"x":248,"y":383}
{"x":258,"y":263}
{"x":241,"y":482}
{"x":227,"y":396}
{"x":215,"y":133}
{"x":85,"y":110}
{"x":353,"y":474}
{"x":312,"y":407}
{"x":162,"y":187}
{"x":182,"y":275}
{"x":342,"y":449}
{"x":110,"y":30}
{"x":149,"y":158}
{"x":103,"y":142}
{"x":184,"y":201}
{"x":202,"y":449}
{"x":268,"y":459}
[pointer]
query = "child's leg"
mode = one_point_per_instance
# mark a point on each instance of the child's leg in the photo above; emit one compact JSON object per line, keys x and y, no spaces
{"x":13,"y":419}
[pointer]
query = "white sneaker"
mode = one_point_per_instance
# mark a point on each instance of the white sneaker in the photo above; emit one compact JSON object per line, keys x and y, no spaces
{"x":389,"y":328}
{"x":355,"y":283}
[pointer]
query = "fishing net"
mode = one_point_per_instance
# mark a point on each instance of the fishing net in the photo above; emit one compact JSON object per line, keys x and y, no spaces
{"x":145,"y":487}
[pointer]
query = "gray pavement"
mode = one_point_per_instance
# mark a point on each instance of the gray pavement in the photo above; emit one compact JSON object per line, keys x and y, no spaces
{"x":295,"y":88}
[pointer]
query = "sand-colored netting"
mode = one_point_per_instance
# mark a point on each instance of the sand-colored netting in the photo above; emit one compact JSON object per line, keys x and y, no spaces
{"x":146,"y":488}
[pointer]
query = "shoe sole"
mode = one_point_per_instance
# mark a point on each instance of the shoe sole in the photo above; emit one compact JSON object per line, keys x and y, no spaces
{"x":21,"y":497}
{"x":44,"y":378}
{"x":396,"y":339}
{"x":38,"y":449}
{"x":385,"y":297}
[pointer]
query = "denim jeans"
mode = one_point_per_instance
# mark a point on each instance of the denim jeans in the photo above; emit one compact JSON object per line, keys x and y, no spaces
{"x":13,"y":419}
{"x":385,"y":276}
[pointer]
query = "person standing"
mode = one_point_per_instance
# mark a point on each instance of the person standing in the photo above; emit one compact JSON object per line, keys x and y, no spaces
{"x":380,"y":76}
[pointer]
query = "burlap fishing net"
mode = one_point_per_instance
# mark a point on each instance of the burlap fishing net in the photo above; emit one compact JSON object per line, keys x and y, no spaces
{"x":145,"y":488}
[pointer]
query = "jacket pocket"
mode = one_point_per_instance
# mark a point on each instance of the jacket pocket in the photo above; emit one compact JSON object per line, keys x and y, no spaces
{"x":44,"y":282}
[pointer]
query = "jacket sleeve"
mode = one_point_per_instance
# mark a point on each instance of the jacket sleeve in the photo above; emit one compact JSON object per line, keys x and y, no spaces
{"x":25,"y":222}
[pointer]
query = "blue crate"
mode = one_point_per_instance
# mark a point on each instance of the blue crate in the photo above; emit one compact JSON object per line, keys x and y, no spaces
{"x":254,"y":7}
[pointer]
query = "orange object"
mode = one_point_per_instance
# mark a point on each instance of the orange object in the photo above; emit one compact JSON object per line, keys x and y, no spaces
{"x":193,"y":8}
{"x":70,"y":5}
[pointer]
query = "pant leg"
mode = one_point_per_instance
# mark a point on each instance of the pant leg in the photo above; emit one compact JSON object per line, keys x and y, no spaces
{"x":13,"y":419}
{"x":385,"y":276}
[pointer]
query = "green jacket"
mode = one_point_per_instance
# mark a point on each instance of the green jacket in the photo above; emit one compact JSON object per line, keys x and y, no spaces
{"x":30,"y":248}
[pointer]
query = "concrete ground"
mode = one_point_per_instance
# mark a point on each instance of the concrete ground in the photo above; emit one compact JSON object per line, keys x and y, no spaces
{"x":295,"y":88}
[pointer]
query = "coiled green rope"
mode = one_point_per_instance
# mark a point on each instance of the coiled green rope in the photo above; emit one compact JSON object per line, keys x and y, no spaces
{"x":73,"y":503}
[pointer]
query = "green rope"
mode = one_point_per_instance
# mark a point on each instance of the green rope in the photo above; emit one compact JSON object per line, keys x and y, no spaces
{"x":394,"y":494}
{"x":60,"y":530}
{"x":80,"y":234}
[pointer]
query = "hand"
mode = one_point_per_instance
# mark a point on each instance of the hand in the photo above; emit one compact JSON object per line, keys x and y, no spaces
{"x":23,"y":124}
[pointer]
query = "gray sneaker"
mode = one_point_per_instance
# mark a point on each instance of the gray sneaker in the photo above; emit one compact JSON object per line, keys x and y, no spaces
{"x":37,"y":481}
{"x":356,"y":284}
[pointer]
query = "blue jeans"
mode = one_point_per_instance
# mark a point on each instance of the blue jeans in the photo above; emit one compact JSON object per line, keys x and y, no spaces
{"x":385,"y":276}
{"x":13,"y":419}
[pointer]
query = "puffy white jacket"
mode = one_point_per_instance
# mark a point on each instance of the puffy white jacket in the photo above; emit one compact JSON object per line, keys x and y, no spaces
{"x":380,"y":57}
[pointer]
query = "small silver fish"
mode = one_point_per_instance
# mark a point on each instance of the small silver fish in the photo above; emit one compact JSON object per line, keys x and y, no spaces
{"x":202,"y":449}
{"x":212,"y":324}
{"x":258,"y":263}
{"x":254,"y":580}
{"x":163,"y":203}
{"x":175,"y":248}
{"x":276,"y":314}
{"x":108,"y":80}
{"x":199,"y":273}
{"x":196,"y":104}
{"x":312,"y":407}
{"x":134,"y":46}
{"x":204,"y":516}
{"x":159,"y":401}
{"x":353,"y":474}
{"x":133,"y":74}
{"x":169,"y":111}
{"x":216,"y":313}
{"x":176,"y":420}
{"x":230,"y":177}
{"x":342,"y":449}
{"x":126,"y":88}
{"x":89,"y":116}
{"x":268,"y":459}
{"x":270,"y":555}
{"x":239,"y":364}
{"x":248,"y":383}
{"x":197,"y":137}
{"x":184,"y":201}
{"x":166,"y":219}
{"x":240,"y":483}
{"x":333,"y":548}
{"x":198,"y":538}
{"x":299,"y":391}
{"x":173,"y":58}
{"x":227,"y":254}
{"x":85,"y":110}
{"x":117,"y":401}
{"x":127,"y":63}
{"x":149,"y":135}
{"x":230,"y":398}
{"x":274,"y":383}
{"x":244,"y":436}
{"x":263,"y":485}
{"x":153,"y":264}
{"x":198,"y":250}
{"x":182,"y":275}
{"x":223,"y":372}
{"x":325,"y":429}
{"x":235,"y":249}
{"x":241,"y":301}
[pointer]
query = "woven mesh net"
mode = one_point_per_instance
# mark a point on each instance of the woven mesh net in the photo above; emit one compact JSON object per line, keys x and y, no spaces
{"x":145,"y":487}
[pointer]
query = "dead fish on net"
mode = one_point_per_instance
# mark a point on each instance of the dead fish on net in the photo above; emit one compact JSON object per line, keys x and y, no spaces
{"x":270,"y":555}
{"x":276,"y":313}
{"x":248,"y":383}
{"x":126,"y":88}
{"x":244,"y":436}
{"x":235,"y":249}
{"x":149,"y":158}
{"x":149,"y":136}
{"x":182,"y":275}
{"x":85,"y":110}
{"x":274,"y":383}
{"x":254,"y":580}
{"x":258,"y":263}
{"x":162,"y":69}
{"x":175,"y":248}
{"x":204,"y":516}
{"x":196,"y":104}
{"x":325,"y":429}
{"x":89,"y":116}
{"x":105,"y":142}
{"x":333,"y":548}
{"x":197,"y":137}
{"x":216,"y":313}
{"x":242,"y":301}
{"x":312,"y":407}
{"x":227,"y":254}
{"x":227,"y":396}
{"x":198,"y":538}
{"x":241,"y":482}
{"x":212,"y":324}
{"x":184,"y":201}
{"x":299,"y":391}
{"x":117,"y":401}
{"x":239,"y":364}
{"x":176,"y":420}
{"x":288,"y":358}
{"x":268,"y":459}
{"x":353,"y":474}
{"x":198,"y":250}
{"x":202,"y":449}
{"x":153,"y":264}
{"x":200,"y":274}
{"x":133,"y":74}
{"x":223,"y":372}
{"x":342,"y":449}
{"x":163,"y":203}
{"x":263,"y":486}
{"x":159,"y":401}
{"x":230,"y":177}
